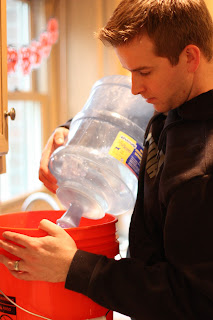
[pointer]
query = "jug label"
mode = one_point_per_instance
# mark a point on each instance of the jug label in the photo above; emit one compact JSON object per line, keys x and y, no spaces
{"x":7,"y":309}
{"x":128,"y":151}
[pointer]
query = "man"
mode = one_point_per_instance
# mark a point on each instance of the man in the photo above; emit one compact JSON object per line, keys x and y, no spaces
{"x":167,"y":46}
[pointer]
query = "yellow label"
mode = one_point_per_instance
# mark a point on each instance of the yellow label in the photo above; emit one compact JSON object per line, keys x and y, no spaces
{"x":122,"y":147}
{"x":126,"y":150}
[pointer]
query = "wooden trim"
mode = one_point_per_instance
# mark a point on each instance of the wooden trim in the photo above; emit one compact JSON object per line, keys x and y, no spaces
{"x":3,"y":80}
{"x":34,"y":96}
{"x":100,"y":47}
{"x":52,"y":77}
{"x":62,"y":59}
{"x":2,"y":164}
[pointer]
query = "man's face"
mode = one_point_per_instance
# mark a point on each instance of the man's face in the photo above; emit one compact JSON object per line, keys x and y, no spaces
{"x":161,"y":84}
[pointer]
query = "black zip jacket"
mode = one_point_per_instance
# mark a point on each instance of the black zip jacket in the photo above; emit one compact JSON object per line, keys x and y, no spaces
{"x":170,"y":273}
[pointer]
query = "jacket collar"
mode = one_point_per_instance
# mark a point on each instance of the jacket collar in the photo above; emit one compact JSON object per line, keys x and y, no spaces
{"x":198,"y":108}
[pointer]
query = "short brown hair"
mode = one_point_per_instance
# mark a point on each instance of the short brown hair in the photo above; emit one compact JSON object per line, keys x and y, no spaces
{"x":171,"y":24}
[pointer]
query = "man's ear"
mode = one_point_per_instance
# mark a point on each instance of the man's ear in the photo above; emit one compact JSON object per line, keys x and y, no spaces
{"x":192,"y":54}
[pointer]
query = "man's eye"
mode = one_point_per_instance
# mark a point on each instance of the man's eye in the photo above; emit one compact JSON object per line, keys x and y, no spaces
{"x":144,"y":74}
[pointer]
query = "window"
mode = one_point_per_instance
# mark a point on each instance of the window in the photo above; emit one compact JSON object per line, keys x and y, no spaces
{"x":18,"y":35}
{"x":30,"y":102}
{"x":24,"y":153}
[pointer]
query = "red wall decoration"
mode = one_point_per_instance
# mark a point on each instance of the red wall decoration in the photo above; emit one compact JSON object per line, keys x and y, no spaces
{"x":30,"y":57}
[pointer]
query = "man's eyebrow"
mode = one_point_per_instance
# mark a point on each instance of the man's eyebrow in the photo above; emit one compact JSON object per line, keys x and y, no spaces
{"x":140,"y":68}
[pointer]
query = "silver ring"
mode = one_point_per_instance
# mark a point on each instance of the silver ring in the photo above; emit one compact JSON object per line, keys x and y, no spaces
{"x":16,"y":265}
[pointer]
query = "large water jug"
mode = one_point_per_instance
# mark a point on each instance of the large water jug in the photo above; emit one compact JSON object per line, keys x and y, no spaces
{"x":97,"y":169}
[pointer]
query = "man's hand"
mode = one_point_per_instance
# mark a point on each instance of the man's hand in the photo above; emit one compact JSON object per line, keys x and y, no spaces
{"x":42,"y":259}
{"x":57,"y":139}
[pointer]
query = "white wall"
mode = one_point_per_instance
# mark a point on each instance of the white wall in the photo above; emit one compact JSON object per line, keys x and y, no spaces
{"x":88,"y":60}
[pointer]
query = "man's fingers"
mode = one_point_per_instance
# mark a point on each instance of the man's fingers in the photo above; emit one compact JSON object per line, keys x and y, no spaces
{"x":26,"y":241}
{"x":22,"y":241}
{"x":51,"y":228}
{"x":60,"y":136}
{"x":46,"y":176}
{"x":57,"y":139}
{"x":10,"y":264}
{"x":4,"y":260}
{"x":51,"y":188}
{"x":22,"y":275}
{"x":50,"y":182}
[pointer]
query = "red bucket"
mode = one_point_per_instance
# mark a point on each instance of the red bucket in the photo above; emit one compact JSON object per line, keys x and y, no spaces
{"x":52,"y":300}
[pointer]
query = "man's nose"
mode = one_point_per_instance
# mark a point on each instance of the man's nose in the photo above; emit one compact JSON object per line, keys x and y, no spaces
{"x":137,"y":85}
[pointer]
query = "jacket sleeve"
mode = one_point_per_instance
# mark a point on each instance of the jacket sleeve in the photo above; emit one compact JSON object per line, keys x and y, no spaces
{"x":180,"y":286}
{"x":66,"y":124}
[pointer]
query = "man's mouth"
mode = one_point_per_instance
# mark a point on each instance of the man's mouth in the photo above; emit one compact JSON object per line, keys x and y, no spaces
{"x":150,"y":100}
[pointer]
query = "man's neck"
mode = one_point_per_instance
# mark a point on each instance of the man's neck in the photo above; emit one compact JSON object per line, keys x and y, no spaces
{"x":203,"y":80}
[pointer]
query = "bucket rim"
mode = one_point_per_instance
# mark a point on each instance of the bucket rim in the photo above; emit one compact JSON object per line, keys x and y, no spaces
{"x":75,"y":229}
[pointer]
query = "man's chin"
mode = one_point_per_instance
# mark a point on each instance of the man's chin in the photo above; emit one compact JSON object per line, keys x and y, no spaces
{"x":161,"y":108}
